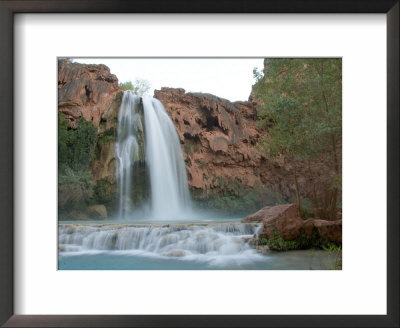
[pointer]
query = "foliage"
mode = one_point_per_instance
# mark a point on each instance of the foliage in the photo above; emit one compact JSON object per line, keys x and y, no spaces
{"x":307,"y":210}
{"x":75,"y":188}
{"x":231,"y":197}
{"x":75,"y":150}
{"x":75,"y":146}
{"x":335,"y":251}
{"x":203,"y":164}
{"x":103,"y":193}
{"x":140,"y":86}
{"x":191,"y":146}
{"x":301,"y":107}
{"x":107,"y":136}
{"x":188,"y":147}
{"x":126,"y":85}
{"x":118,"y":97}
{"x":303,"y":241}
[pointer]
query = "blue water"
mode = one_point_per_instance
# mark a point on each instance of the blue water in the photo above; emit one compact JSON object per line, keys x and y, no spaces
{"x":292,"y":260}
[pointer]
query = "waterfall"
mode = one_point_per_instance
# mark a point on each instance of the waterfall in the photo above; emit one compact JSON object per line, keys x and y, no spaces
{"x":157,"y":144}
{"x":127,"y":149}
{"x":169,"y":188}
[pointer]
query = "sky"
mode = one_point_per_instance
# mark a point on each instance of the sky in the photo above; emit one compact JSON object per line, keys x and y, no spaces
{"x":229,"y":78}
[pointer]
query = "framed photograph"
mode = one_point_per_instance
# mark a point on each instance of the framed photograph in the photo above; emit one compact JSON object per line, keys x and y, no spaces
{"x":217,"y":164}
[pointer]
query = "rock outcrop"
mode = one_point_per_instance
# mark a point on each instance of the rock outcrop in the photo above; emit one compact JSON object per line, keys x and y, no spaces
{"x":217,"y":136}
{"x":219,"y":143}
{"x":330,"y":230}
{"x":85,"y":91}
{"x":284,"y":221}
{"x":97,"y":212}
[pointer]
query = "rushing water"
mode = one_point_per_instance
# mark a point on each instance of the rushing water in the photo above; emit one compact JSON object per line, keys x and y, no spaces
{"x":169,"y":195}
{"x":127,"y":149}
{"x":196,"y":246}
{"x":169,"y":188}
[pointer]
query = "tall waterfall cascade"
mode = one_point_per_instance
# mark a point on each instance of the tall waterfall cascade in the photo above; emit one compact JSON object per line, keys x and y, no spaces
{"x":147,"y":134}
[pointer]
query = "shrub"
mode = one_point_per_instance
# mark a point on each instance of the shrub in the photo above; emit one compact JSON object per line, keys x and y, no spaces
{"x":75,"y":188}
{"x":75,"y":146}
{"x":118,"y":97}
{"x":306,"y":209}
{"x":126,"y":85}
{"x":103,"y":193}
{"x":303,"y":241}
{"x":203,"y":164}
{"x":232,"y":197}
{"x":188,"y":147}
{"x":140,"y":86}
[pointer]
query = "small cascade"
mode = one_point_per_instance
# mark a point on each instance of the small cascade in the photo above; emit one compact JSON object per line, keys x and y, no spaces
{"x":190,"y":241}
{"x":128,"y":150}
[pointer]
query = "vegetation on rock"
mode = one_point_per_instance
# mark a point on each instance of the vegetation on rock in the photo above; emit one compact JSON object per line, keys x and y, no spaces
{"x":75,"y":151}
{"x":303,"y":241}
{"x":301,"y":108}
{"x":140,"y":86}
{"x":232,"y":198}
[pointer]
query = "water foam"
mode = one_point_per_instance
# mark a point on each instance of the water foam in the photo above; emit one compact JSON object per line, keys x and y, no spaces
{"x":216,"y":244}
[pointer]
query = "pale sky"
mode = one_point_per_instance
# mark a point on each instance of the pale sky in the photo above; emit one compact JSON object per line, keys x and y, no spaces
{"x":229,"y":78}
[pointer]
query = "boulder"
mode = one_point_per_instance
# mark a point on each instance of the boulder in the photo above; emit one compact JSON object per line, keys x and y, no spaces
{"x":331,"y":230}
{"x":97,"y":211}
{"x":284,"y":221}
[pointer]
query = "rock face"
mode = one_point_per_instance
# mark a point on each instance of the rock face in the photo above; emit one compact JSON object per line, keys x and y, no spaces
{"x":284,"y":221}
{"x":85,"y":91}
{"x":219,"y":143}
{"x":91,"y":92}
{"x":331,"y":230}
{"x":97,"y":212}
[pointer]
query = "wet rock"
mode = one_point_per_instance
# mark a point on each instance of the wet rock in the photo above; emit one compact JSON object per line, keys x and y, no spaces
{"x":175,"y":253}
{"x":97,"y":211}
{"x":264,"y":249}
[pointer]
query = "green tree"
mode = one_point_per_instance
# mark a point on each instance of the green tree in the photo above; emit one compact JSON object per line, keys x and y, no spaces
{"x":75,"y":151}
{"x":301,"y":108}
{"x":126,"y":85}
{"x":140,"y":86}
{"x":75,"y":146}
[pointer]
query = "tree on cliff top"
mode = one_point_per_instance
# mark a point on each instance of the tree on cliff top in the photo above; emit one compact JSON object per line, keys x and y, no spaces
{"x":140,"y":86}
{"x":301,"y":107}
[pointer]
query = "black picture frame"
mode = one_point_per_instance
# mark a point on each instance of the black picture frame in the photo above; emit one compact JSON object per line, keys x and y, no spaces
{"x":10,"y":7}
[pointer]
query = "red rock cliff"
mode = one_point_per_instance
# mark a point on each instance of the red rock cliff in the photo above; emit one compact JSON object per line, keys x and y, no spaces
{"x":85,"y":91}
{"x":219,"y":141}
